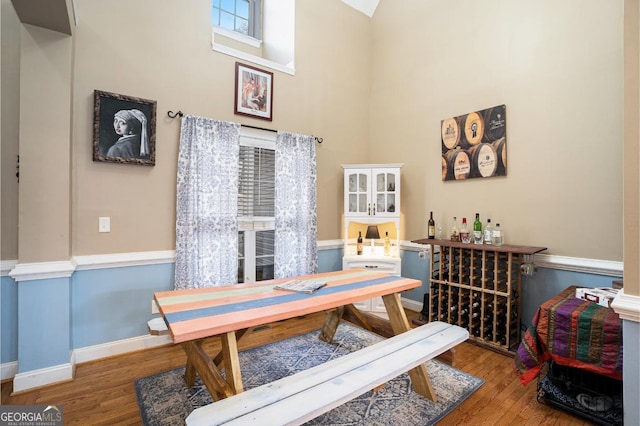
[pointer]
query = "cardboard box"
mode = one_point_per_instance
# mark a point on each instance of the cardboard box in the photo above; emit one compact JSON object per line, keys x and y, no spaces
{"x":602,"y":296}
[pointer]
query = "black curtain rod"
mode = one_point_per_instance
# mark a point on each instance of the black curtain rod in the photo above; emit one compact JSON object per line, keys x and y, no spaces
{"x":259,"y":128}
{"x":172,"y":114}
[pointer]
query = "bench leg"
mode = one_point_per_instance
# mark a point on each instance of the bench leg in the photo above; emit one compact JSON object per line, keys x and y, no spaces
{"x":331,"y":324}
{"x":400,"y":324}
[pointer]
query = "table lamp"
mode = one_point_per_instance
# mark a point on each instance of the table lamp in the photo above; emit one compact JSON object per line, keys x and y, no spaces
{"x":372,"y":234}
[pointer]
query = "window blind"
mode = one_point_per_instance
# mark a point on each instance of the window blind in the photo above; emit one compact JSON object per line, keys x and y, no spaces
{"x":256,"y":185}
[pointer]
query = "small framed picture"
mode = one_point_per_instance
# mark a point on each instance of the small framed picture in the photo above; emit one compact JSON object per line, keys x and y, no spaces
{"x":124,"y":129}
{"x":254,"y":92}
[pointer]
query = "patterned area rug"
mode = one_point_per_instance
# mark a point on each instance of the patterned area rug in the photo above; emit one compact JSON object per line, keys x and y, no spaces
{"x":164,"y":398}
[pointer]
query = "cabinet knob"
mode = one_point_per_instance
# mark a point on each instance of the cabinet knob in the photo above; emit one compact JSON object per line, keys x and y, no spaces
{"x":371,"y":266}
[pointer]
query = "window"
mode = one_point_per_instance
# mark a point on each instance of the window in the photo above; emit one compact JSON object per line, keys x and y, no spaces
{"x":242,"y":16}
{"x":256,"y":206}
{"x":257,"y":31}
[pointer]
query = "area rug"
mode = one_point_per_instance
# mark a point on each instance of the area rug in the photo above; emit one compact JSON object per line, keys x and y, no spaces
{"x":164,"y":398}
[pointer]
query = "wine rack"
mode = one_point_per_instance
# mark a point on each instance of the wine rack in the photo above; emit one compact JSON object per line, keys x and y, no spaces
{"x":478,"y":287}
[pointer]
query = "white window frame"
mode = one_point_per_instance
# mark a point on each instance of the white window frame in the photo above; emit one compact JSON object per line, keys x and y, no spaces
{"x":251,"y":225}
{"x":278,"y":38}
{"x":254,"y":21}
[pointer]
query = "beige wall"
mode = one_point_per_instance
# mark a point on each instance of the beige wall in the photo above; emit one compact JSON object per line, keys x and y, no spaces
{"x":375,"y":90}
{"x":9,"y":125}
{"x":162,"y":51}
{"x":44,"y":209}
{"x":558,"y":67}
{"x":631,"y":148}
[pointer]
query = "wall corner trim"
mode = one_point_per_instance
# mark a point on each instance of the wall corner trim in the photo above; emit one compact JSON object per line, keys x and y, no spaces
{"x":627,"y":306}
{"x":43,"y":270}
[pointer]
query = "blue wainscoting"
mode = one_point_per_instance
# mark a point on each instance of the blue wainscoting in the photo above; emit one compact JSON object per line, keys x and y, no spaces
{"x":630,"y":372}
{"x":418,"y":268}
{"x":547,"y":283}
{"x":115,"y":303}
{"x":111,"y":304}
{"x":8,"y":320}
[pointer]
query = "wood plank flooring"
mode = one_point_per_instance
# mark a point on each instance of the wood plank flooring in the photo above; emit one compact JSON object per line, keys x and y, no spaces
{"x":103,"y":393}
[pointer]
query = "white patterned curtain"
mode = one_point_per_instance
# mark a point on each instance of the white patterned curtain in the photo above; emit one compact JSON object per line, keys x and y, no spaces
{"x":296,"y":222}
{"x":207,"y":203}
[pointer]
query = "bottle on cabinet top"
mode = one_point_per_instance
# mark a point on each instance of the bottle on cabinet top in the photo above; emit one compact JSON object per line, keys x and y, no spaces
{"x":477,"y":230}
{"x":455,"y":233}
{"x":465,"y":237}
{"x":387,"y":244}
{"x":359,"y":244}
{"x":497,"y":238}
{"x":431,"y":227}
{"x":488,"y":229}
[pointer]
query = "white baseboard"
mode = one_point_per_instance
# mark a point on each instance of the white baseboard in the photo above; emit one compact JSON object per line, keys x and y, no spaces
{"x":8,"y":370}
{"x":46,"y":376}
{"x":92,"y":353}
{"x":42,"y":377}
{"x":412,"y":304}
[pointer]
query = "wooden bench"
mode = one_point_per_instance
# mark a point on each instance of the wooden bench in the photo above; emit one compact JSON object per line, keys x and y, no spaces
{"x":303,"y":396}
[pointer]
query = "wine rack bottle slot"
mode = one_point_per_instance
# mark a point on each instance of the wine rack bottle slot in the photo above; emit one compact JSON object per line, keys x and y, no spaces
{"x":478,"y":287}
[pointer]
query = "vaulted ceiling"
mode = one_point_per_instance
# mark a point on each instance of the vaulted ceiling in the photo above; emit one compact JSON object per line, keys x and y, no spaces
{"x":59,"y":15}
{"x":368,"y":7}
{"x":56,"y":15}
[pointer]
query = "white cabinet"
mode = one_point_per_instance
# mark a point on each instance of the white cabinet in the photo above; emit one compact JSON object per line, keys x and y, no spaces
{"x":372,"y":199}
{"x":388,"y":264}
{"x":372,"y":190}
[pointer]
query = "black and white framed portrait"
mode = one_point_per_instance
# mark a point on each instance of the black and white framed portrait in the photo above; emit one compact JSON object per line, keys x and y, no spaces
{"x":124,"y":129}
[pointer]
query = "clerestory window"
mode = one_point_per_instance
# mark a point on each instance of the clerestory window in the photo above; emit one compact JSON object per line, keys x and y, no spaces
{"x":241,"y":16}
{"x":258,"y":31}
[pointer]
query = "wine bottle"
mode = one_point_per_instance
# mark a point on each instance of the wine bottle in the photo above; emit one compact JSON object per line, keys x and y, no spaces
{"x":488,"y":230}
{"x":431,"y":227}
{"x":359,"y":243}
{"x":477,"y":230}
{"x":387,"y":244}
{"x":455,"y":233}
{"x":465,"y":237}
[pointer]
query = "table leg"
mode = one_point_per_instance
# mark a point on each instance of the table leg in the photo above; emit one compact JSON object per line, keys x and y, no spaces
{"x":400,"y":324}
{"x":189,"y":373}
{"x":231,"y":361}
{"x":219,"y":357}
{"x":199,"y":361}
{"x":331,"y":324}
{"x":351,"y":313}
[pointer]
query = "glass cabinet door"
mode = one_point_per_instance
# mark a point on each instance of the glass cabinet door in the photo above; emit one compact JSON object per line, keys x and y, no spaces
{"x":358,"y":192}
{"x":372,"y":192}
{"x":386,"y":191}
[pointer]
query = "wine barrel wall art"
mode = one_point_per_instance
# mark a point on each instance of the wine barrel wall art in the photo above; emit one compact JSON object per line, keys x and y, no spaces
{"x":474,"y":145}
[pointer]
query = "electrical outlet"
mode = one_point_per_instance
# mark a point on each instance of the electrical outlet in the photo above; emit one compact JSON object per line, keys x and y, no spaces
{"x":104,"y":224}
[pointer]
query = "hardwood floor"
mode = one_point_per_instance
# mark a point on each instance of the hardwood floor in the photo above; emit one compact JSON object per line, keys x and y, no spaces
{"x":103,"y":393}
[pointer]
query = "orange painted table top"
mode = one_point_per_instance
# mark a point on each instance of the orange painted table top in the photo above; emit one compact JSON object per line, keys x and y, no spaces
{"x":204,"y":312}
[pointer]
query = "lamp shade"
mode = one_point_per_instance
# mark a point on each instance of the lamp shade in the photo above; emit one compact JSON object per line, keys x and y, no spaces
{"x":372,"y":232}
